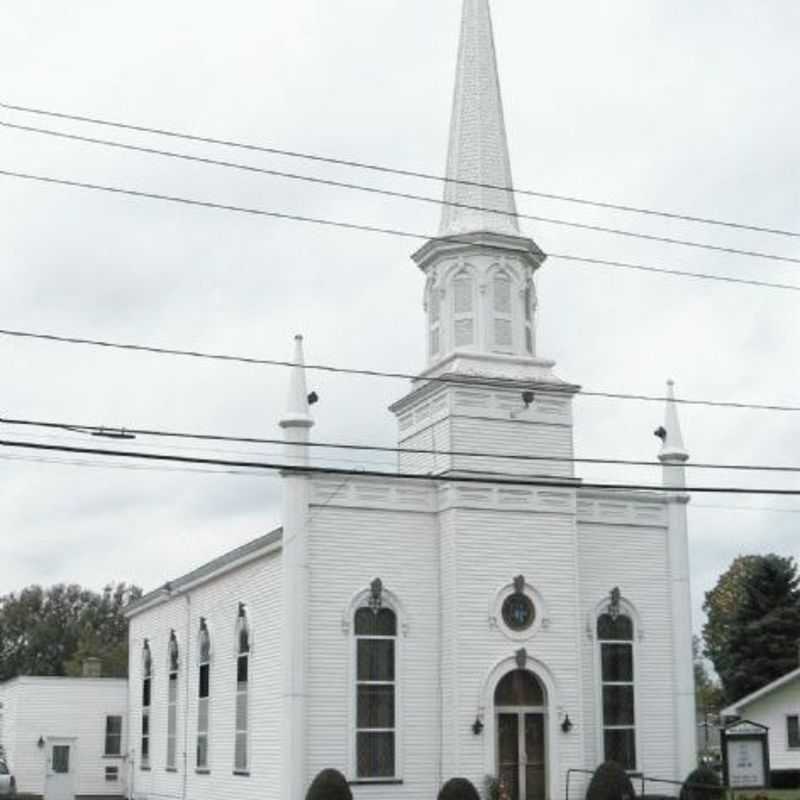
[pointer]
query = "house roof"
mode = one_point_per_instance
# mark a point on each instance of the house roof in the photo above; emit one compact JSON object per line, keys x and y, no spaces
{"x":735,"y":708}
{"x":220,"y":565}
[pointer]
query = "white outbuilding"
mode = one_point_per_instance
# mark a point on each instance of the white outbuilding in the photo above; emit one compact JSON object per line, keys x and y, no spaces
{"x":480,"y":611}
{"x":65,"y":738}
{"x":776,"y":706}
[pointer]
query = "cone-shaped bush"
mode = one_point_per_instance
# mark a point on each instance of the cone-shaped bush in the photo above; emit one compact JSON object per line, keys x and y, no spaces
{"x":329,"y":785}
{"x":702,"y":784}
{"x":610,"y":782}
{"x":458,"y":789}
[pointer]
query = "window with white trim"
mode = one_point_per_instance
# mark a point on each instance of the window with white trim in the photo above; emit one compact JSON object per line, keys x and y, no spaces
{"x":203,"y":694}
{"x":172,"y":701}
{"x":463,"y":310}
{"x":793,"y":731}
{"x":241,"y":761}
{"x":617,"y":685}
{"x":147,"y":688}
{"x":376,"y":693}
{"x":502,"y":333}
{"x":113,"y":742}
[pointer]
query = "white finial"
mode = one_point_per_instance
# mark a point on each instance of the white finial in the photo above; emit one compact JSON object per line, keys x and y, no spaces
{"x":297,"y":413}
{"x":672,"y":449}
{"x":478,"y":152}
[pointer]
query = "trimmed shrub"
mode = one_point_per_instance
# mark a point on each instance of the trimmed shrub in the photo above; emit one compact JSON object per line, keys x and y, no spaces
{"x":458,"y":789}
{"x":702,"y":784}
{"x":610,"y":782}
{"x":329,"y":785}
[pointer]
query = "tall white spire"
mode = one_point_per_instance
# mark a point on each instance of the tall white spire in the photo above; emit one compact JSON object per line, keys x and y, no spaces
{"x":478,"y":151}
{"x":672,"y":450}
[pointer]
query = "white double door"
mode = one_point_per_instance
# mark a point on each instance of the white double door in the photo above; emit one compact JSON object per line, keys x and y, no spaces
{"x":60,"y":769}
{"x":522,"y":752}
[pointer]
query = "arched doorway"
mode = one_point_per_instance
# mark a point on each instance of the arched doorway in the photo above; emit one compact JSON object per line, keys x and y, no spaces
{"x":520,"y":711}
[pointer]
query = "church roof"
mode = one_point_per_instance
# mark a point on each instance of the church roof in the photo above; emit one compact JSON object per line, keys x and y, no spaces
{"x":734,"y":709}
{"x":217,"y":566}
{"x":478,"y":150}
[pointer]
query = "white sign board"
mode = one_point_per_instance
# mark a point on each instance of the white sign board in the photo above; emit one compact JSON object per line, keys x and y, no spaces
{"x":745,"y":763}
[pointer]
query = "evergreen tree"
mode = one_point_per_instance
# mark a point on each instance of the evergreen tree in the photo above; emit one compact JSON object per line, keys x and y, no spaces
{"x":758,"y":603}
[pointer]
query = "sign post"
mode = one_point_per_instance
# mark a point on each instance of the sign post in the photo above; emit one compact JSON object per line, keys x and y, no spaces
{"x":745,"y":755}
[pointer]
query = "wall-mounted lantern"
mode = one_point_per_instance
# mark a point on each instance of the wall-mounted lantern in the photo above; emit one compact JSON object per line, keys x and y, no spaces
{"x":477,"y":726}
{"x":40,"y":743}
{"x":566,"y":725}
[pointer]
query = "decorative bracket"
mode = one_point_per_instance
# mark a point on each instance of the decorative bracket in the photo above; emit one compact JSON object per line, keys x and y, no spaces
{"x":519,"y":584}
{"x":522,"y":657}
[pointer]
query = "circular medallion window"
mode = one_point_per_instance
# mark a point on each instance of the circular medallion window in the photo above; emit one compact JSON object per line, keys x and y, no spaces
{"x":518,"y":611}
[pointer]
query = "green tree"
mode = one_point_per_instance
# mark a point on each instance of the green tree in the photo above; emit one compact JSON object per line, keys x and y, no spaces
{"x":708,"y":692}
{"x":50,"y":631}
{"x":753,"y":623}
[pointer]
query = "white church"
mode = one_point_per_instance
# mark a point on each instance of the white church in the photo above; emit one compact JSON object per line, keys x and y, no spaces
{"x":407,"y":631}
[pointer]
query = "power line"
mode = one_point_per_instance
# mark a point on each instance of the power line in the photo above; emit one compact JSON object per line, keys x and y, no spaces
{"x":293,"y":469}
{"x":388,"y":231}
{"x":775,"y":509}
{"x":466,"y":381}
{"x":251,"y":474}
{"x":159,"y":433}
{"x":401,"y":195}
{"x":403,"y":172}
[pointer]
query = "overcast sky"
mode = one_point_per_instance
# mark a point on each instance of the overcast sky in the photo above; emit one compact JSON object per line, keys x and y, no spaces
{"x":672,"y":105}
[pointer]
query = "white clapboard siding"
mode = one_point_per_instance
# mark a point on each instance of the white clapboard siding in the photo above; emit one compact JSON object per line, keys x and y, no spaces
{"x":349,"y":547}
{"x":634,"y":558}
{"x":771,"y":710}
{"x":71,"y":708}
{"x":258,"y":585}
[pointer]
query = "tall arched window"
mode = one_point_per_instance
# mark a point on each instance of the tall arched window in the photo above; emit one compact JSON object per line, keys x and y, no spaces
{"x":147,"y":685}
{"x":502,"y":314}
{"x":463,"y":310}
{"x":529,"y":301}
{"x":203,"y":694}
{"x":434,"y":318}
{"x":172,"y":701}
{"x":375,"y":631}
{"x":240,"y":758}
{"x":615,"y":643}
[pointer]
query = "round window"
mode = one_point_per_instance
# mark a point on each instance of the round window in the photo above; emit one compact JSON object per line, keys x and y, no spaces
{"x":518,"y":611}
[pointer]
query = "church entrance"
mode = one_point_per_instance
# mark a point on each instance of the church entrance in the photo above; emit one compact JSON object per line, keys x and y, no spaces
{"x":520,"y":709}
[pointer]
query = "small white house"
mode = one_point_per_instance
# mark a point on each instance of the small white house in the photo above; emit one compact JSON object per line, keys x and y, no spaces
{"x":65,"y":738}
{"x":777,"y":706}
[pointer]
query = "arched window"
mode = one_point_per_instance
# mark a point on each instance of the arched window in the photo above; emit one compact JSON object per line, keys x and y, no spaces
{"x":463,"y":310}
{"x":375,"y":629}
{"x":172,"y":701}
{"x":529,"y":300}
{"x":502,"y":314}
{"x":203,"y":694}
{"x":147,"y":685}
{"x":240,"y":759}
{"x":434,"y":317}
{"x":615,"y":642}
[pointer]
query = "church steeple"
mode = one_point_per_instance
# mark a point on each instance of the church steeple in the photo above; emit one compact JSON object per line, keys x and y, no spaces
{"x":478,"y":151}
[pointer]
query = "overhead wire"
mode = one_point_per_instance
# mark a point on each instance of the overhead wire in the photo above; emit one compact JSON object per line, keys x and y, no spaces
{"x":402,"y":195}
{"x":382,"y":168}
{"x":350,"y":446}
{"x":352,"y":226}
{"x":467,"y":381}
{"x":485,"y":480}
